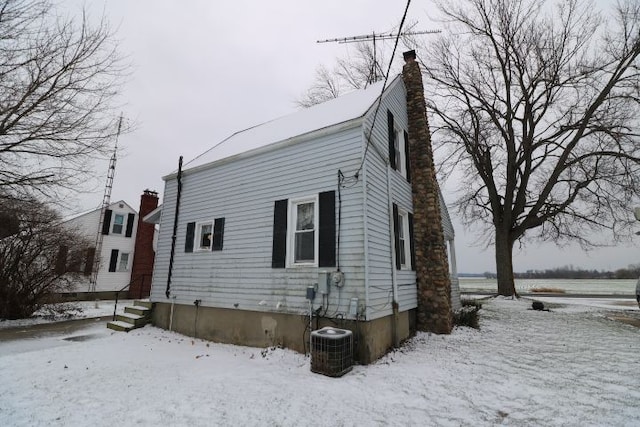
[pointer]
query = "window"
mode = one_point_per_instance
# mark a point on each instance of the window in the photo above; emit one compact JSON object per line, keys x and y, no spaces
{"x":304,"y":232}
{"x":403,"y":247}
{"x":123,"y":265}
{"x":403,"y":236}
{"x":204,"y":235}
{"x":303,"y":239}
{"x":398,"y":147}
{"x":118,"y":223}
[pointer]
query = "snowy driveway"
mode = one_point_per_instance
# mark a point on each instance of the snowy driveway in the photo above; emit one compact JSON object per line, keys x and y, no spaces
{"x":570,"y":366}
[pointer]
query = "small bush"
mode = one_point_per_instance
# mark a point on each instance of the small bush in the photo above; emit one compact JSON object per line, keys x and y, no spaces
{"x":467,"y":316}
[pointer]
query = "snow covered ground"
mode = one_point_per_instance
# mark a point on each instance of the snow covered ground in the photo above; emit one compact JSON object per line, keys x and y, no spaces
{"x":67,"y":311}
{"x":567,"y":367}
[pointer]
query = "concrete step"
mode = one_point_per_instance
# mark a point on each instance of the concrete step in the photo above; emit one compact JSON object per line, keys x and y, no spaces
{"x":138,"y":309}
{"x":143,"y":303}
{"x":133,"y":319}
{"x":120,"y":326}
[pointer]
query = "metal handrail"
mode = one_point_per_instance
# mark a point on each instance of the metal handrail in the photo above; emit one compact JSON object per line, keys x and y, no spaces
{"x":141,"y":276}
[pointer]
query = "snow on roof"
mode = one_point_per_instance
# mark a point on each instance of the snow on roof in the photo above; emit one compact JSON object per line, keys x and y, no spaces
{"x":79,"y":214}
{"x":339,"y":110}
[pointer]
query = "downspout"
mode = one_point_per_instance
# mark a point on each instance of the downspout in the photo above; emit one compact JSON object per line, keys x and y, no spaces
{"x":175,"y":229}
{"x":366,"y":235}
{"x":394,"y":281}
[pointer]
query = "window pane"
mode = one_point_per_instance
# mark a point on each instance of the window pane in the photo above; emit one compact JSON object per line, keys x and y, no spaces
{"x":205,"y":236}
{"x":118,"y":221}
{"x":124,"y":262}
{"x":403,"y":258}
{"x":304,"y":218}
{"x":305,"y":249}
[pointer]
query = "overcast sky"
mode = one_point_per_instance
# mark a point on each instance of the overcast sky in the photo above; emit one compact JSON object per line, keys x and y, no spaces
{"x":203,"y":70}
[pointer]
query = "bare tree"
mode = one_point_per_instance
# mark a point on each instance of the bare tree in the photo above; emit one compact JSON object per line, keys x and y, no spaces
{"x":39,"y":259}
{"x":538,"y":107}
{"x":58,"y":80}
{"x":353,"y":72}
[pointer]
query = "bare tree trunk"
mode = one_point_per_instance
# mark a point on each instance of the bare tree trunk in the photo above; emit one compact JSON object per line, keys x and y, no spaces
{"x":504,"y":263}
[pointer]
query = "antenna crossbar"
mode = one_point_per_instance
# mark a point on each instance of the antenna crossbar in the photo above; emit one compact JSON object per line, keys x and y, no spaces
{"x":374,"y":36}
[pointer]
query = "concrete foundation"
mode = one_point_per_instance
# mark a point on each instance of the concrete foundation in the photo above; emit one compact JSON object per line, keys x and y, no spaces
{"x":259,"y":329}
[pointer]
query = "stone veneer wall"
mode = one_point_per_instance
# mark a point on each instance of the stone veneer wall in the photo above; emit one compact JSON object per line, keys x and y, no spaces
{"x":434,"y":312}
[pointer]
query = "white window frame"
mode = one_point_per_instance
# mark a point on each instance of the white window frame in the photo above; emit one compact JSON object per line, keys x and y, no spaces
{"x":197,"y":237}
{"x":126,"y":267}
{"x":399,"y":145}
{"x":291,"y":231}
{"x":405,"y":242}
{"x":113,"y":226}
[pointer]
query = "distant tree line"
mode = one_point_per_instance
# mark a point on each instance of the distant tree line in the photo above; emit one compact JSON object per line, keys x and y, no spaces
{"x":569,"y":272}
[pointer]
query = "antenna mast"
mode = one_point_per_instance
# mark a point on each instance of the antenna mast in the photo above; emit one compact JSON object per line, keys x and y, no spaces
{"x":106,"y":200}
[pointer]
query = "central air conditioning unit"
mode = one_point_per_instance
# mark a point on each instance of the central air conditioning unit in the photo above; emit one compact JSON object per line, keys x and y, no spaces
{"x":331,"y":351}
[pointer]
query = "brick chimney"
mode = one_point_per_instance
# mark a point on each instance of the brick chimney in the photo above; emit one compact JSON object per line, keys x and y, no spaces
{"x":432,"y":268}
{"x":143,"y":254}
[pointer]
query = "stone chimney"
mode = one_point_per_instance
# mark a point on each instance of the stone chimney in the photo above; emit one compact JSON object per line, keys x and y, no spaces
{"x":434,"y":312}
{"x":143,"y":254}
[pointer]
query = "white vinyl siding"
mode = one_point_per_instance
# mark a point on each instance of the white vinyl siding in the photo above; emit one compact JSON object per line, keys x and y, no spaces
{"x":245,"y":192}
{"x":380,"y":240}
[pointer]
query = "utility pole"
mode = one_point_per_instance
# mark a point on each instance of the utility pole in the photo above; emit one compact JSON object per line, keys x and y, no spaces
{"x":373,"y":37}
{"x":106,"y":200}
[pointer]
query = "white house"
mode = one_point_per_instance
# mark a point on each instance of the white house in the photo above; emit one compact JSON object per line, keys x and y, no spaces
{"x":306,"y":215}
{"x":121,"y":243}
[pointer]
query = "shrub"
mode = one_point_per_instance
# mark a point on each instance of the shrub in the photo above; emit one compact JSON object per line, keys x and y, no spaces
{"x":467,"y":316}
{"x":35,"y":261}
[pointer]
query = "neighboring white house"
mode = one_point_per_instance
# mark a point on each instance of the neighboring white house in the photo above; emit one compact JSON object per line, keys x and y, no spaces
{"x":118,"y":245}
{"x":304,"y":206}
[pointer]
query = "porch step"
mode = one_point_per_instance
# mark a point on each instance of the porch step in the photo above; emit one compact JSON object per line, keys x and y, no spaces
{"x":134,"y":317}
{"x":120,"y":326}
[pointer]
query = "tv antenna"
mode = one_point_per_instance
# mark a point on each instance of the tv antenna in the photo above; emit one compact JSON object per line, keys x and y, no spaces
{"x":373,"y":37}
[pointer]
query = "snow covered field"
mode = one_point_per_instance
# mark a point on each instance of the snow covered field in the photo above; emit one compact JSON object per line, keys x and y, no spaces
{"x":570,"y":366}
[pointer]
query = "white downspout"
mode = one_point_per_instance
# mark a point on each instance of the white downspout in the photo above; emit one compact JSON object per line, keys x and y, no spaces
{"x":365,"y":213}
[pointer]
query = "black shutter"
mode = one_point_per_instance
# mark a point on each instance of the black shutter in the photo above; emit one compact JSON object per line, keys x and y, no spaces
{"x":61,"y":260}
{"x":218,"y":234}
{"x":396,"y":235}
{"x":130,"y":219}
{"x":411,"y":242}
{"x":392,"y":137}
{"x":327,"y":229}
{"x":113,"y":262}
{"x":279,"y":252}
{"x":90,"y":259}
{"x":188,"y":243}
{"x":106,"y":224}
{"x":407,"y":156}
